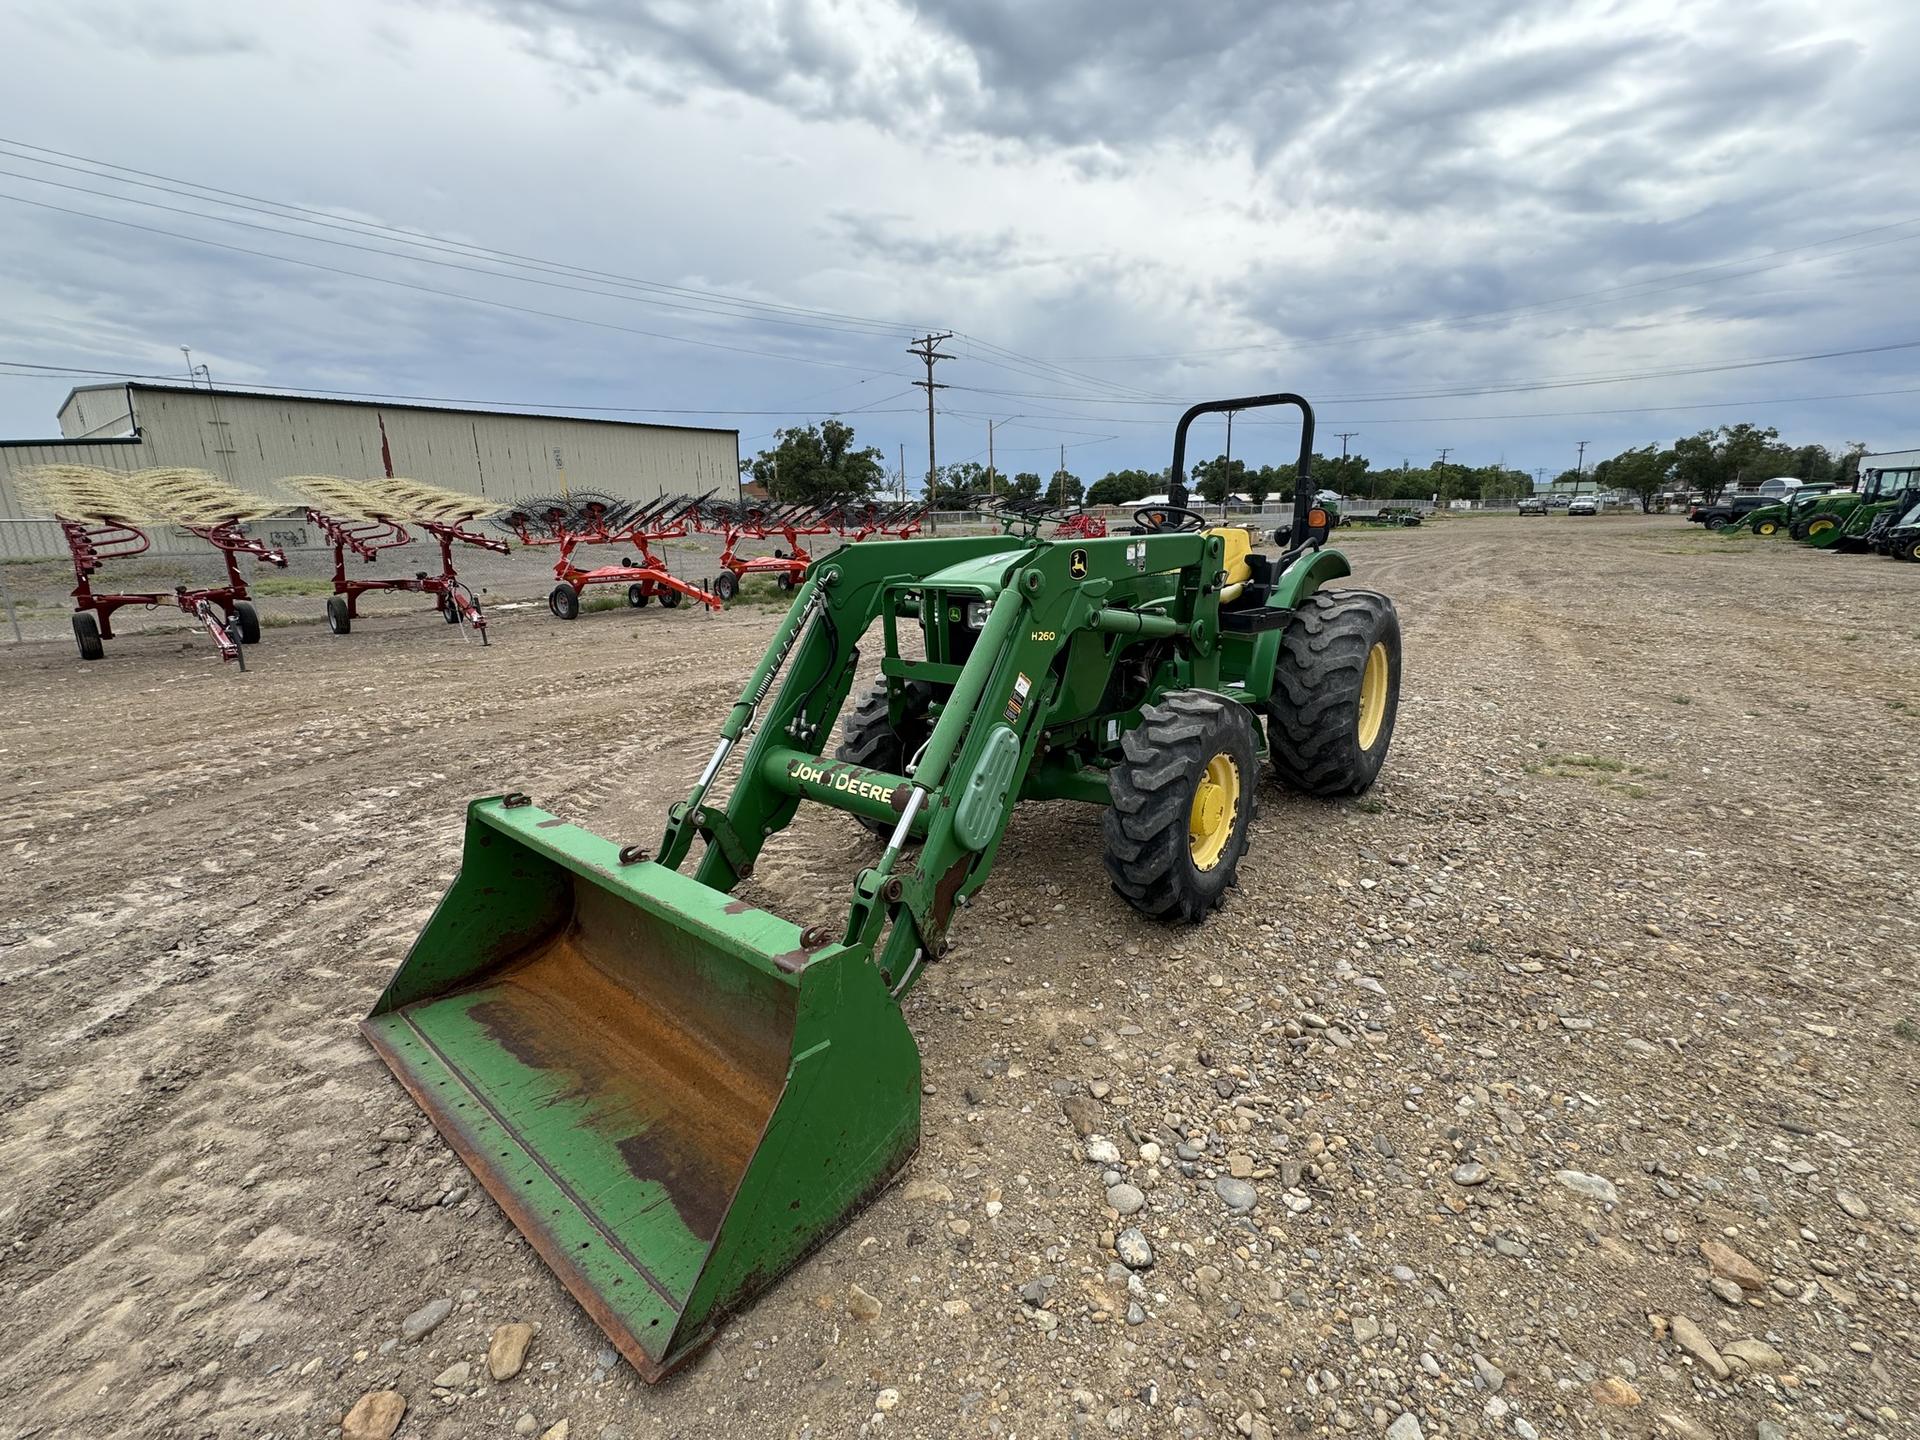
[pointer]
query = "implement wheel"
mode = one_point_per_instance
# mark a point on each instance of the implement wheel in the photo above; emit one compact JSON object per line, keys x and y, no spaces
{"x":726,"y":585}
{"x":1183,"y":799}
{"x":637,"y":596}
{"x":339,"y":619}
{"x":564,"y":602}
{"x":246,"y":622}
{"x":1336,"y":692}
{"x":867,"y":736}
{"x":86,"y":632}
{"x":670,"y":598}
{"x":449,"y":609}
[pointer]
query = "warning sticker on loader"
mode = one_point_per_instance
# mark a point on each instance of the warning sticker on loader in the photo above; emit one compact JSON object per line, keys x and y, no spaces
{"x":1017,"y":702}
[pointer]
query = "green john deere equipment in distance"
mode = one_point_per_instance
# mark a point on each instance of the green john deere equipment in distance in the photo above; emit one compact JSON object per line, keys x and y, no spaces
{"x":1841,"y":520}
{"x":1778,"y":518}
{"x":676,"y":1094}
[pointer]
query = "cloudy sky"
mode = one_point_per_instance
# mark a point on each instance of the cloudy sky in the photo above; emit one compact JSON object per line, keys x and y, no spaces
{"x":1498,"y":227}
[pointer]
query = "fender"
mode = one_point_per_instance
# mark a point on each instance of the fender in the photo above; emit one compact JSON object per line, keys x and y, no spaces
{"x":1306,"y":575}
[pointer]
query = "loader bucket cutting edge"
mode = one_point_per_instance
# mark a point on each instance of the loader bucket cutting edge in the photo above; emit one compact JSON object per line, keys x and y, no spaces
{"x":671,"y":1098}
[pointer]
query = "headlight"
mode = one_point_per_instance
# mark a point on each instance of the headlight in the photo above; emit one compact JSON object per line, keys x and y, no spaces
{"x":977,"y":612}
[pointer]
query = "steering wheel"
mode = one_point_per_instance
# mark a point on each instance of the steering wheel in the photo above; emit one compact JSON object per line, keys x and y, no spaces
{"x":1169,"y":519}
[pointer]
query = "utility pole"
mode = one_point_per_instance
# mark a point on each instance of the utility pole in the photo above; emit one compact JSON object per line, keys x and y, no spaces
{"x":990,"y":459}
{"x":1059,"y":475}
{"x":927,"y":349}
{"x":1445,"y":451}
{"x":1345,"y":436}
{"x":1580,"y":466}
{"x":1226,"y":481}
{"x":903,"y":477}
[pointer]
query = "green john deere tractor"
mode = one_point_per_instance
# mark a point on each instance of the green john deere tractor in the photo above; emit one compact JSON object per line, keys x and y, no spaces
{"x":1780,"y":517}
{"x":675,"y":1094}
{"x":1842,"y":520}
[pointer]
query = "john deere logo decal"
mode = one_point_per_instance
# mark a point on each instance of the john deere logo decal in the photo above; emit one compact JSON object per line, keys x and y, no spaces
{"x":1077,"y":564}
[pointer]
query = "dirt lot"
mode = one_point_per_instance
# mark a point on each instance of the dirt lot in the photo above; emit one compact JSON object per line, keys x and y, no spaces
{"x":1617,"y":962}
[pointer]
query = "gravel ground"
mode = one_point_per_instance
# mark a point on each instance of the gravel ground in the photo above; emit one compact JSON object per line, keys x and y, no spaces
{"x":1563,"y":1085}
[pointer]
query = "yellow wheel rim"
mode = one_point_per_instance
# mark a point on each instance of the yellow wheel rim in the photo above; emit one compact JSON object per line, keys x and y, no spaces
{"x":1373,"y":697}
{"x":1216,"y":805}
{"x":1819,"y":527}
{"x":1767,"y":527}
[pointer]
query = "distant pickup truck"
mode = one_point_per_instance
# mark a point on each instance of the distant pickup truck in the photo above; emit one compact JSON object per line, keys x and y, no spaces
{"x":1724,"y":512}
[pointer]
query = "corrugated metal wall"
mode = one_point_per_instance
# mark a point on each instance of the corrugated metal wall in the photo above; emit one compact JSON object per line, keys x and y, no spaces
{"x":256,"y":440}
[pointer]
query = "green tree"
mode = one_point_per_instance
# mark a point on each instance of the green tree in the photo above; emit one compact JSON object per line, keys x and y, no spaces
{"x":1024,"y":486}
{"x":1215,"y":479}
{"x":1740,"y":450}
{"x":1261,"y":483}
{"x":1065,"y":488}
{"x":1644,"y":473}
{"x":1496,"y":483}
{"x":1846,"y":472}
{"x":1696,"y":467}
{"x":1346,"y":474}
{"x":1123,"y":487}
{"x":957,"y":486}
{"x":816,"y":462}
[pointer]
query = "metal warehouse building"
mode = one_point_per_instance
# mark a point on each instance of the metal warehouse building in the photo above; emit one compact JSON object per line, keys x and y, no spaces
{"x":254,"y":440}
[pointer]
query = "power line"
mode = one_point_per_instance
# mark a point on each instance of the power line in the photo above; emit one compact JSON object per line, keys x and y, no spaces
{"x":1517,"y":387}
{"x":446,"y":294}
{"x":418,"y":238}
{"x":713,"y":302}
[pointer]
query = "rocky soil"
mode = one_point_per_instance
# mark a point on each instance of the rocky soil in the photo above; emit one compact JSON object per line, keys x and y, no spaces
{"x":1567,"y":1084}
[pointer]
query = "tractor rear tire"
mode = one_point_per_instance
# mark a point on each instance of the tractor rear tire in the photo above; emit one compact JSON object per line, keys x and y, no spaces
{"x":86,"y":632}
{"x":564,"y":602}
{"x":339,"y":618}
{"x":1336,"y":693}
{"x":1183,"y":801}
{"x":637,"y":596}
{"x":247,"y":622}
{"x":867,"y":736}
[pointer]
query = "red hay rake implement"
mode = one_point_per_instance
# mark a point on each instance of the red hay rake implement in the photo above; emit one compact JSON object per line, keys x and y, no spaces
{"x":737,"y":522}
{"x":849,"y":519}
{"x":104,"y":516}
{"x":863,"y":519}
{"x":570,"y":522}
{"x":365,"y":517}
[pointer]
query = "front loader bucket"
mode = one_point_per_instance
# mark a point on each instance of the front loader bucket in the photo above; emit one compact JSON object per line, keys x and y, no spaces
{"x":671,"y":1097}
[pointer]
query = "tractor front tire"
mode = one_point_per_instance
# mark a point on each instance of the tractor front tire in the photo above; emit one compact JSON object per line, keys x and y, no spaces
{"x":1336,"y":693}
{"x":339,"y":617}
{"x":1183,"y":800}
{"x":868,"y":738}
